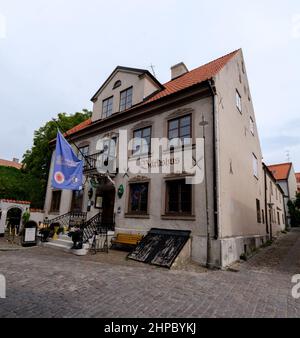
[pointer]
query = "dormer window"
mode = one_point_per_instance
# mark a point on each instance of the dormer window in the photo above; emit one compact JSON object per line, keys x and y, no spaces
{"x":107,"y":107}
{"x":126,"y":99}
{"x":117,"y":84}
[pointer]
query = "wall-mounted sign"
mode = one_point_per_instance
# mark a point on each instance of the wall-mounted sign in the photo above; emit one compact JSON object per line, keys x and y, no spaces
{"x":99,"y":202}
{"x":121,"y":191}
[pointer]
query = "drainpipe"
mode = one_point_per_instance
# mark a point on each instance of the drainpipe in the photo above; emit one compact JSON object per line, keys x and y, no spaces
{"x":216,"y":169}
{"x":266,"y":202}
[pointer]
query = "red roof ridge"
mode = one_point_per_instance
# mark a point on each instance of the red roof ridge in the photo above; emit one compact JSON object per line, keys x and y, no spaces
{"x":189,"y":79}
{"x":231,"y":54}
{"x":280,"y":164}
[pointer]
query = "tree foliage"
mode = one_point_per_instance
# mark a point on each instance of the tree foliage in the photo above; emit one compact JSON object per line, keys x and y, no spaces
{"x":17,"y":185}
{"x":294,"y":210}
{"x":30,"y":184}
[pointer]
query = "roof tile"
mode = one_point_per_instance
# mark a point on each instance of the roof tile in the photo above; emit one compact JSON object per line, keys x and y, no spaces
{"x":280,"y":171}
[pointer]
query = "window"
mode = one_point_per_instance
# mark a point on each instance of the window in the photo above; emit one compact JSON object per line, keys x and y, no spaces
{"x":77,"y":201}
{"x":263,"y":216}
{"x":278,"y":217}
{"x":106,"y":161}
{"x":178,"y":197}
{"x":255,"y":165}
{"x":107,"y":107}
{"x":239,"y":101}
{"x":55,"y":201}
{"x":140,"y":147}
{"x":258,"y":211}
{"x":180,"y":128}
{"x":271,"y":188}
{"x":126,"y":99}
{"x":251,"y":126}
{"x":84,"y":151}
{"x":138,"y":199}
{"x":117,"y":84}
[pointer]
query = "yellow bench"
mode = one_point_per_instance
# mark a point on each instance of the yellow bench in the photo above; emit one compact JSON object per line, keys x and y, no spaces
{"x":127,"y":239}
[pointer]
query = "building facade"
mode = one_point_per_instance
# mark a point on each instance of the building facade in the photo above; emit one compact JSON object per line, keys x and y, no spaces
{"x":298,"y":181}
{"x":284,"y":174}
{"x":274,"y":213}
{"x":227,"y":206}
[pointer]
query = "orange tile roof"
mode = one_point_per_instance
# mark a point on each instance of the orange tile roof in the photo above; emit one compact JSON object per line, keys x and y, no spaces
{"x":80,"y":126}
{"x":280,"y":171}
{"x":194,"y":77}
{"x":5,"y":163}
{"x":15,"y":201}
{"x":298,"y":177}
{"x":185,"y":81}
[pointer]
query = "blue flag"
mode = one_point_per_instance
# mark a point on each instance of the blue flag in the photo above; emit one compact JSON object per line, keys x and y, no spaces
{"x":68,"y":169}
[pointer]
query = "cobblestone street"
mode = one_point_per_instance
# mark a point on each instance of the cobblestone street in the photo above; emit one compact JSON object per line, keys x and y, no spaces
{"x":48,"y":283}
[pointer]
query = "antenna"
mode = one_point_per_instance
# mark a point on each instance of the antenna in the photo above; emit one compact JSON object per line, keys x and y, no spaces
{"x":288,"y":155}
{"x":153,"y":71}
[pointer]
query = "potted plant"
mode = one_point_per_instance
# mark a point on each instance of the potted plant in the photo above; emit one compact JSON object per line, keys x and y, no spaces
{"x":77,"y":238}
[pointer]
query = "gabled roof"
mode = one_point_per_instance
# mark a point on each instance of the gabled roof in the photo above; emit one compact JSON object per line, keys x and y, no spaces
{"x":131,"y":70}
{"x":281,"y":171}
{"x":5,"y":163}
{"x":187,"y":80}
{"x":194,"y":77}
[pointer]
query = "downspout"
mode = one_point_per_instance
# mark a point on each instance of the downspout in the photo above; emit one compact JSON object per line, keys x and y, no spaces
{"x":216,"y":170}
{"x":266,"y":202}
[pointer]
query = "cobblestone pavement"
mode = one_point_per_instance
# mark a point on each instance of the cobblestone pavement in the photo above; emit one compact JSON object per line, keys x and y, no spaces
{"x":47,"y":283}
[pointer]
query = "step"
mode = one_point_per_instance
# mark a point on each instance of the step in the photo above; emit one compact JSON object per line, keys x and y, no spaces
{"x":65,"y":242}
{"x":54,"y":245}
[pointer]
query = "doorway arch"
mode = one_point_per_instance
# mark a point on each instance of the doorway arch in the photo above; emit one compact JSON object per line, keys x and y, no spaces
{"x":13,"y":218}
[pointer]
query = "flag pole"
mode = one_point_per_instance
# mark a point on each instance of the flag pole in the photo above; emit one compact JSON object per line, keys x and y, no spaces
{"x":70,"y":139}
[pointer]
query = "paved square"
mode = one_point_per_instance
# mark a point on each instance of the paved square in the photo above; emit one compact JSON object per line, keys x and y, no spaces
{"x":48,"y":283}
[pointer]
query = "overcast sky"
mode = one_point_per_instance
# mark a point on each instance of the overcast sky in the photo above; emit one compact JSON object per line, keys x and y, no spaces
{"x":55,"y":54}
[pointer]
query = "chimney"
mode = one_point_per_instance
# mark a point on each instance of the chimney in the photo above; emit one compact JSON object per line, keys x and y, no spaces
{"x":16,"y":160}
{"x":178,"y":70}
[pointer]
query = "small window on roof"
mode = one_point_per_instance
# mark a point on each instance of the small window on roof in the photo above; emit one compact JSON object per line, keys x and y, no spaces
{"x":117,"y":84}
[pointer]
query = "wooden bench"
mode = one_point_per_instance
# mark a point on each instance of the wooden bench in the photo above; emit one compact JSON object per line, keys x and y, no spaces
{"x":126,"y":240}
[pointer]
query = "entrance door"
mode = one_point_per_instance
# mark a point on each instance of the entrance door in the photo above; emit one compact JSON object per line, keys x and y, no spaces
{"x":108,"y":207}
{"x":13,"y":218}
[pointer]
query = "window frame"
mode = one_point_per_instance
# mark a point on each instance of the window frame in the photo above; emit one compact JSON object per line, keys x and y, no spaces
{"x":252,"y":126}
{"x":105,"y":115}
{"x":133,"y":152}
{"x":138,"y":212}
{"x":86,"y":153}
{"x":126,"y":106}
{"x":238,"y":101}
{"x":255,"y":168}
{"x":81,"y":198}
{"x":52,"y":210}
{"x":179,"y":118}
{"x":258,"y":211}
{"x":167,"y":198}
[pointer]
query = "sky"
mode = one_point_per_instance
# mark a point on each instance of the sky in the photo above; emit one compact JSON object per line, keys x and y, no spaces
{"x":54,"y":55}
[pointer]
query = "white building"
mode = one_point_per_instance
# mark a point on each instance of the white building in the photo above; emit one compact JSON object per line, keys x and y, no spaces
{"x":133,"y":100}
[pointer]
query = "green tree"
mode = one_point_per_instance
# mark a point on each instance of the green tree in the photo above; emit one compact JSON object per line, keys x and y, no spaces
{"x":18,"y":185}
{"x":294,"y":211}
